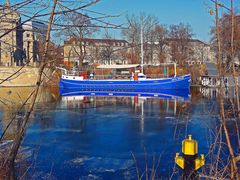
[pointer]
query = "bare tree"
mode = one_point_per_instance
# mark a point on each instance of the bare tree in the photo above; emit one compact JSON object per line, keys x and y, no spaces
{"x":149,"y":22}
{"x":133,"y":34}
{"x":107,"y":53}
{"x":179,"y":40}
{"x":160,"y":36}
{"x":233,"y":162}
{"x":7,"y":170}
{"x":225,"y":28}
{"x":80,"y":29}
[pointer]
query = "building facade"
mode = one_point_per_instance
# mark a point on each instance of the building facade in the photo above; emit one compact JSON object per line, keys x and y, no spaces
{"x":200,"y":52}
{"x":197,"y":52}
{"x":19,"y":44}
{"x":11,"y":39}
{"x":101,"y":51}
{"x":112,"y":51}
{"x":33,"y":37}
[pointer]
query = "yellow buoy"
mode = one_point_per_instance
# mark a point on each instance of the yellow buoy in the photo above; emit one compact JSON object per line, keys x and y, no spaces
{"x":189,"y":160}
{"x":189,"y":146}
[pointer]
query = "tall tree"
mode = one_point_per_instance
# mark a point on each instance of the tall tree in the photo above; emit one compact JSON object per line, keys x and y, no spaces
{"x":149,"y":23}
{"x":160,"y":35}
{"x":107,"y":51}
{"x":225,"y":28}
{"x":79,"y":27}
{"x":133,"y":34}
{"x":179,"y":40}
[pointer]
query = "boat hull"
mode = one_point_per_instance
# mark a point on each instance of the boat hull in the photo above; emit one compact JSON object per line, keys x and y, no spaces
{"x":146,"y":85}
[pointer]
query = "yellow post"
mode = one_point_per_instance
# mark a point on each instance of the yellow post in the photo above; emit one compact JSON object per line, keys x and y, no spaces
{"x":179,"y":160}
{"x":189,"y":160}
{"x":189,"y":146}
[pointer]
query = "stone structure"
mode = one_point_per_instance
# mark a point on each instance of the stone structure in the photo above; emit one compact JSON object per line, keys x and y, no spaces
{"x":34,"y":35}
{"x":11,"y":35}
{"x":102,"y":51}
{"x":27,"y":76}
{"x":19,"y":43}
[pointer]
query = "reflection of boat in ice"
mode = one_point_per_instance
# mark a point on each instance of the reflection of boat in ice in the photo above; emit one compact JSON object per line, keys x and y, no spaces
{"x":72,"y":98}
{"x":183,"y":94}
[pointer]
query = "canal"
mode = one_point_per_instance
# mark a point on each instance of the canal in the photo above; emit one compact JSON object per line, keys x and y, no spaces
{"x":112,"y":137}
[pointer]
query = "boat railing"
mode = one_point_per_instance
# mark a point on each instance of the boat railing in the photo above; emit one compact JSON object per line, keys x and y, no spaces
{"x":72,"y":72}
{"x":103,"y":77}
{"x":75,"y":72}
{"x":156,"y":76}
{"x":63,"y":70}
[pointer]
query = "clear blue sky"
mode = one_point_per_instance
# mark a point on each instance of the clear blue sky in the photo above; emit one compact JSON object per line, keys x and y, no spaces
{"x":193,"y":12}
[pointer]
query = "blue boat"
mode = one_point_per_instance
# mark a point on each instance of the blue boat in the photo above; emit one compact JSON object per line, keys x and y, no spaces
{"x":136,"y":83}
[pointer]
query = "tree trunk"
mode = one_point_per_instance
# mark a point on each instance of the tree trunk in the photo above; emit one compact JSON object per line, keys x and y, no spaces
{"x":9,"y":162}
{"x":234,"y":170}
{"x":233,"y":63}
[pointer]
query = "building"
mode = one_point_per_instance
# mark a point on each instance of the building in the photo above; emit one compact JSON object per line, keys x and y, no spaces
{"x":11,"y":39}
{"x":102,"y":51}
{"x":34,"y":35}
{"x":211,"y":78}
{"x":201,"y":52}
{"x":197,"y":52}
{"x":112,"y":51}
{"x":19,"y":43}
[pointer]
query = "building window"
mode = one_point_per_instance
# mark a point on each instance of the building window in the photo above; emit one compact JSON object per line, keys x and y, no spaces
{"x":28,"y":35}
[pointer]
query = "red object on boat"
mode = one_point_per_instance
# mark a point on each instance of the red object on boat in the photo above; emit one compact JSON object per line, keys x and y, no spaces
{"x":84,"y":75}
{"x":135,"y":76}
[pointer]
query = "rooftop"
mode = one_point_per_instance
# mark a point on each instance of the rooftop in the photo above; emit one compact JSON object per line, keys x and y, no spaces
{"x":104,"y":41}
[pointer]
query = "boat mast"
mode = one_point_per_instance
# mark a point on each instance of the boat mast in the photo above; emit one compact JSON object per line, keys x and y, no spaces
{"x":142,"y":48}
